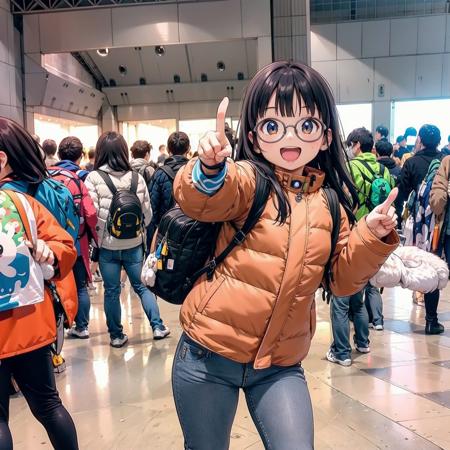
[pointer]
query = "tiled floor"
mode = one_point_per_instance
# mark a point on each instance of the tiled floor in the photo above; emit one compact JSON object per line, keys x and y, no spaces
{"x":397,"y":397}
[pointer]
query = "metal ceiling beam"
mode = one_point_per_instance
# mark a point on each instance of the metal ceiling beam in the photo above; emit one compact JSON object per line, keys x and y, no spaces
{"x":42,"y":6}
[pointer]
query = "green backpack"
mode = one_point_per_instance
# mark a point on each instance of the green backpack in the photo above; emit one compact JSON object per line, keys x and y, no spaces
{"x":379,"y":186}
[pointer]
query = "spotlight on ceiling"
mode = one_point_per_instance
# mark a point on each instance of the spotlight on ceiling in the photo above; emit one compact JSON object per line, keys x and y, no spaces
{"x":103,"y":52}
{"x":221,"y":66}
{"x":123,"y":70}
{"x":142,"y":81}
{"x":160,"y":50}
{"x":176,"y":78}
{"x":240,"y":76}
{"x":204,"y":77}
{"x":112,"y":82}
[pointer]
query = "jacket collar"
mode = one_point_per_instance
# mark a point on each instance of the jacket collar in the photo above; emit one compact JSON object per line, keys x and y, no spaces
{"x":310,"y":181}
{"x":367,"y":156}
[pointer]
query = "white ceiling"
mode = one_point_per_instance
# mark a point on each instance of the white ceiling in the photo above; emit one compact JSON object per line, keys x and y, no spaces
{"x":187,"y":61}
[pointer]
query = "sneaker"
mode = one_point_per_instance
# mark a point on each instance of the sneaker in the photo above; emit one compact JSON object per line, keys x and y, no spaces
{"x":74,"y":333}
{"x":434,"y":327}
{"x":119,"y":342}
{"x":363,"y":349}
{"x":370,"y":325}
{"x":160,"y":333}
{"x":342,"y":362}
{"x":378,"y":327}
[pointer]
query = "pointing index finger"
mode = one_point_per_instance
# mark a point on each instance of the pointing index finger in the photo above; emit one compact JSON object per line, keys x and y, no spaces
{"x":220,"y":122}
{"x":388,"y":202}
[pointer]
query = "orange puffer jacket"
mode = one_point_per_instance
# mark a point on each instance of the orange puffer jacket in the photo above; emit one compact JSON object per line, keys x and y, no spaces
{"x":28,"y":328}
{"x":260,"y":306}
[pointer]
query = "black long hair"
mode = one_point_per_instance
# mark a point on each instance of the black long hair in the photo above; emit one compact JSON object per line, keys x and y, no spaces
{"x":25,"y":157}
{"x":112,"y":150}
{"x":288,"y":80}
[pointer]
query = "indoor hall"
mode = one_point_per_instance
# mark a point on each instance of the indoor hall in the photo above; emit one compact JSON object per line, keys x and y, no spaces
{"x":396,"y":397}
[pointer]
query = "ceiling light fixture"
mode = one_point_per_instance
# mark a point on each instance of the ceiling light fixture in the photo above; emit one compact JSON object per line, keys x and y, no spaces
{"x":221,"y":66}
{"x":123,"y":70}
{"x":103,"y":52}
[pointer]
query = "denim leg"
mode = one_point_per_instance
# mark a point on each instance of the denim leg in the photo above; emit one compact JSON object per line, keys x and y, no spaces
{"x":206,"y":392}
{"x":110,"y":266}
{"x":84,"y":302}
{"x":374,"y":305}
{"x":133,"y":260}
{"x":360,"y":320}
{"x":280,"y":406}
{"x":341,"y":328}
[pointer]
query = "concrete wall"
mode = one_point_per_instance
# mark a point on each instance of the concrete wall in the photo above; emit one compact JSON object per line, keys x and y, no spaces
{"x":10,"y":66}
{"x":291,"y":30}
{"x":385,"y":60}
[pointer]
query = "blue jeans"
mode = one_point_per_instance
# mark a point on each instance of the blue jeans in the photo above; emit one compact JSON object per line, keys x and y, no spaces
{"x":206,"y":392}
{"x":84,"y":302}
{"x":111,"y":263}
{"x":374,"y":305}
{"x":340,"y":307}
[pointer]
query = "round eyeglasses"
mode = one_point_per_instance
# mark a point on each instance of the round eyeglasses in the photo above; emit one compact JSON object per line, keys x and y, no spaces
{"x":308,"y":129}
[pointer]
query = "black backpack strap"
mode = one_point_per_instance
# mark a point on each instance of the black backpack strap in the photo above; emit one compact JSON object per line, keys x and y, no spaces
{"x":169,"y":172}
{"x":107,"y":179}
{"x":335,"y":212}
{"x":134,"y":182}
{"x":262,"y":192}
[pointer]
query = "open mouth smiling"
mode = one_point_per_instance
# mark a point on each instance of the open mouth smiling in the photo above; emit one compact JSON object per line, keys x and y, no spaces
{"x":290,"y":154}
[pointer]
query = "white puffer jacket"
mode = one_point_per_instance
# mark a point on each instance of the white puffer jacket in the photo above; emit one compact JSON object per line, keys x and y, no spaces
{"x":412,"y":268}
{"x":102,"y":197}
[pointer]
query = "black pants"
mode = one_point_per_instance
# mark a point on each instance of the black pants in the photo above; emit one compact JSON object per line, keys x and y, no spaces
{"x":33,"y":373}
{"x":432,"y":298}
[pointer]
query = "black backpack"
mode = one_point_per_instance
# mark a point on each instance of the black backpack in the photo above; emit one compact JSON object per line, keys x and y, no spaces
{"x":125,"y":218}
{"x":187,"y":245}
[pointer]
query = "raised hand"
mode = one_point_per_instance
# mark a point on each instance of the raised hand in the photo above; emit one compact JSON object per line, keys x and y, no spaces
{"x":382,"y":220}
{"x":214,"y":146}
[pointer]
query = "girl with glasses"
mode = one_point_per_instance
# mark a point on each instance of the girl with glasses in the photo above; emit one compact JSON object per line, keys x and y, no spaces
{"x":251,"y":325}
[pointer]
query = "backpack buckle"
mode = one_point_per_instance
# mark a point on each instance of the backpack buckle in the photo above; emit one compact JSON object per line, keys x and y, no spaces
{"x":212,"y":265}
{"x":239,"y":237}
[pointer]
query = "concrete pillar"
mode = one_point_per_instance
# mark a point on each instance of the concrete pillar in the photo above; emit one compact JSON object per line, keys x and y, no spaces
{"x":11,"y":104}
{"x":109,"y":118}
{"x":264,"y":56}
{"x":291,"y":30}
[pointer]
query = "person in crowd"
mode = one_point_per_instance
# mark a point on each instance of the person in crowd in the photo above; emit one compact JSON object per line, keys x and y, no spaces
{"x":400,"y":148}
{"x":251,"y":325}
{"x":446,"y":150}
{"x":439,"y":203}
{"x":352,"y":146}
{"x":162,"y":155}
{"x":141,"y":160}
{"x":49,"y":146}
{"x":384,"y":151}
{"x":364,"y":168}
{"x":70,"y":153}
{"x":381,"y":133}
{"x":410,"y":136}
{"x":112,"y":166}
{"x":161,"y":185}
{"x":411,"y":176}
{"x":36,"y":138}
{"x":27,"y":331}
{"x":91,"y":156}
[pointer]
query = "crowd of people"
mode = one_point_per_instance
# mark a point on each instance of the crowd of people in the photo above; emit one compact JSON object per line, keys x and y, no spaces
{"x":76,"y":218}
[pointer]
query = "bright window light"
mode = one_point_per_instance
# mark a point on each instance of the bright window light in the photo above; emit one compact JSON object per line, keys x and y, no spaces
{"x":416,"y":113}
{"x":355,"y":116}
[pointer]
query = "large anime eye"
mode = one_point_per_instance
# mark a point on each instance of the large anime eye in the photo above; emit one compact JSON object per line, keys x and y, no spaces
{"x":1,"y":250}
{"x":309,"y":129}
{"x":270,"y":128}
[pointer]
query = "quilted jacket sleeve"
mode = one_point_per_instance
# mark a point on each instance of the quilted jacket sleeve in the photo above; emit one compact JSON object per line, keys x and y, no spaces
{"x":358,"y":256}
{"x":230,"y":203}
{"x":439,"y":191}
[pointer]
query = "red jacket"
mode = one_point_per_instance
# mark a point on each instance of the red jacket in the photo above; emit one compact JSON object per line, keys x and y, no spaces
{"x":88,"y":227}
{"x":31,"y":327}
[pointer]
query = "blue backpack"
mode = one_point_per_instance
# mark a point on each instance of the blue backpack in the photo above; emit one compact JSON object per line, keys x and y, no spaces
{"x":57,"y":199}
